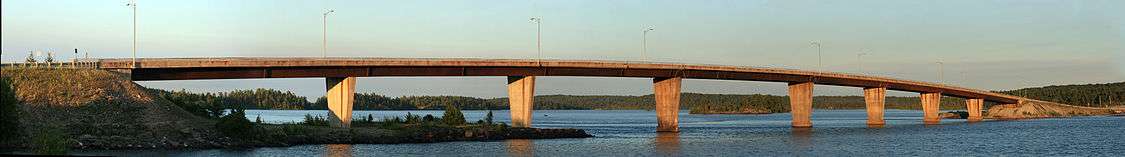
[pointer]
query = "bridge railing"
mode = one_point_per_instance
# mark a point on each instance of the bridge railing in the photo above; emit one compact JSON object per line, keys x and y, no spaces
{"x":73,"y":64}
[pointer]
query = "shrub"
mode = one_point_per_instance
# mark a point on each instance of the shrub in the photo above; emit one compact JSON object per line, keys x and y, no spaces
{"x":428,"y":119}
{"x":50,"y":141}
{"x":453,"y":116}
{"x":413,"y":118}
{"x":9,"y":113}
{"x":391,"y":123}
{"x":235,"y":125}
{"x":311,"y":120}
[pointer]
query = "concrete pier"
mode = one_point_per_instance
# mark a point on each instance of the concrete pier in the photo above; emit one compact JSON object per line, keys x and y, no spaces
{"x":931,"y":105}
{"x":974,"y":106}
{"x":800,"y":103}
{"x":667,"y":91}
{"x":341,"y":95}
{"x":521,"y":94}
{"x":875,"y":98}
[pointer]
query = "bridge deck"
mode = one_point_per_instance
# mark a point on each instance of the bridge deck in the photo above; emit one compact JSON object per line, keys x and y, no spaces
{"x":241,"y":68}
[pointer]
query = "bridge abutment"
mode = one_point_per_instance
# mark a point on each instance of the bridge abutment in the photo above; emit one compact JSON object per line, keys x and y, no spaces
{"x":800,"y":103}
{"x":521,"y":94}
{"x":340,"y":95}
{"x":931,"y":105}
{"x":667,"y":93}
{"x":974,"y":106}
{"x":875,"y":98}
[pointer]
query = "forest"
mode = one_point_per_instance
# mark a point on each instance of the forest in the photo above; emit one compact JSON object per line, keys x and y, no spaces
{"x":1098,"y":95}
{"x":1093,"y":95}
{"x":279,"y":100}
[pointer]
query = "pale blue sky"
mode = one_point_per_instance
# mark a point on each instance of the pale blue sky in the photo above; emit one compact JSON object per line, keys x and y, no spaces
{"x":986,"y":44}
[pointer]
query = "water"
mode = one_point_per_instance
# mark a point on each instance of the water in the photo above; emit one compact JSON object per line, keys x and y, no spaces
{"x":631,"y":133}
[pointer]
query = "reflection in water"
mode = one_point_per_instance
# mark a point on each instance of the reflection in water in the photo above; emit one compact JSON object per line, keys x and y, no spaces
{"x":667,"y":143}
{"x":338,"y":150}
{"x":520,"y":147}
{"x":802,"y":139}
{"x":876,"y":126}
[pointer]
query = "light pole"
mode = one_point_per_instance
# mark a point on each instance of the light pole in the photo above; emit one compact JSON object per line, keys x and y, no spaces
{"x":324,"y":34}
{"x":133,"y":4}
{"x":538,"y":38}
{"x":859,"y":58}
{"x":819,"y":56}
{"x":941,"y":72}
{"x":644,"y":42}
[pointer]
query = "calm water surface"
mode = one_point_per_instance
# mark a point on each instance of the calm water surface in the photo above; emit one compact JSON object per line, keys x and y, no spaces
{"x":631,"y":133}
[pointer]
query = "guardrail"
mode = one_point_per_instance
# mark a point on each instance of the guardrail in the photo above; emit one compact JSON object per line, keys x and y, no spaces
{"x":73,"y":64}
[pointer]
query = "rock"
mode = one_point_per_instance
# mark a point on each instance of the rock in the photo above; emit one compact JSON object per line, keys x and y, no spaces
{"x":954,"y":115}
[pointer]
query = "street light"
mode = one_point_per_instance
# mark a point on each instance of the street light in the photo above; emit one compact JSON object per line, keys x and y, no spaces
{"x":133,"y":4}
{"x":819,"y":56}
{"x":859,"y":57}
{"x":644,"y":42}
{"x":324,"y":34}
{"x":538,"y":38}
{"x":941,"y":71}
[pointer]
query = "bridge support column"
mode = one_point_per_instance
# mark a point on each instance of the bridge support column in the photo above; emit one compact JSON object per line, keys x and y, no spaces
{"x":521,"y":94}
{"x":874,"y":97}
{"x":800,"y":103}
{"x":973,"y":106}
{"x":931,"y":103}
{"x":667,"y":92}
{"x":341,"y":94}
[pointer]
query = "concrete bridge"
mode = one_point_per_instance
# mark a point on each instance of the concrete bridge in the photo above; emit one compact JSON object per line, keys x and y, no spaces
{"x":341,"y":73}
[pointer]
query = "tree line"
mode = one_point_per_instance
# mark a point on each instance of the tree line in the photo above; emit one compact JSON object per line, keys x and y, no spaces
{"x":1093,"y":95}
{"x":213,"y":103}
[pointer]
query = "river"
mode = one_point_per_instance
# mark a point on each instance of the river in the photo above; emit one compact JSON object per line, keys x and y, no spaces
{"x":632,"y":133}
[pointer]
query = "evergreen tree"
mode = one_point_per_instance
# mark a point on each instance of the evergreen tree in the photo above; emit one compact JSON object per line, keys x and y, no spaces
{"x":9,"y":113}
{"x":488,"y":118}
{"x":453,"y":116}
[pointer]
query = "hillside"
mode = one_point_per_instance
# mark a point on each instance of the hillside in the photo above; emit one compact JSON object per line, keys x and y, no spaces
{"x":104,"y":109}
{"x":1092,"y":95}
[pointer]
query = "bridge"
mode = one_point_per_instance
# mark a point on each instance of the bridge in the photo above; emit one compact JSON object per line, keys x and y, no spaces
{"x":341,"y":73}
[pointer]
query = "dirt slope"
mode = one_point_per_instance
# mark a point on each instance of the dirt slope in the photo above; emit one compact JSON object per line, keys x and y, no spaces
{"x":103,"y":109}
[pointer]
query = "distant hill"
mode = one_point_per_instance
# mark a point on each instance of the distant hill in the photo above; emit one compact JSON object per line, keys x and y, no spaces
{"x":1091,"y":95}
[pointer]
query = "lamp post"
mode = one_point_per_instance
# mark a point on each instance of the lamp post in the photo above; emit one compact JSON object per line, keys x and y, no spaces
{"x":538,"y":38}
{"x":819,"y":56}
{"x":133,"y":4}
{"x":859,"y":58}
{"x":644,"y":42}
{"x":324,"y":34}
{"x":941,"y":72}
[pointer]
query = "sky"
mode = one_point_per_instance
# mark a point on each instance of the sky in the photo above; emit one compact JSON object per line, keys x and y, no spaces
{"x":990,"y":45}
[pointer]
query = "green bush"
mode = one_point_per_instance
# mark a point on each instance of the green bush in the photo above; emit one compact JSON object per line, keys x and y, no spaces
{"x":428,"y":119}
{"x":51,"y":141}
{"x":235,"y":125}
{"x":453,"y":116}
{"x":9,"y":113}
{"x":311,"y":120}
{"x":412,"y":118}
